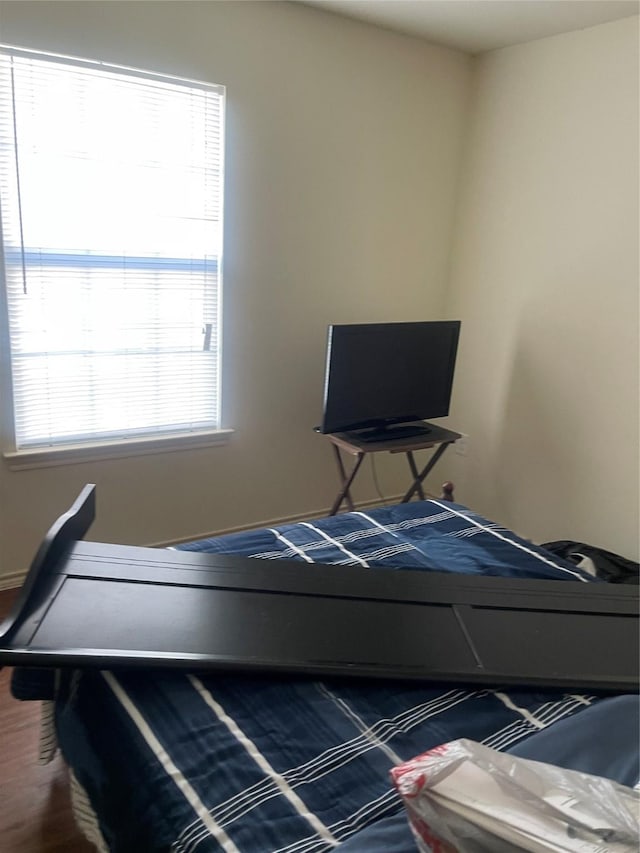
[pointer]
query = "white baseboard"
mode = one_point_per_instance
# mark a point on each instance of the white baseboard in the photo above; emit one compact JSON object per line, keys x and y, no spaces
{"x":271,"y":522}
{"x":12,"y":580}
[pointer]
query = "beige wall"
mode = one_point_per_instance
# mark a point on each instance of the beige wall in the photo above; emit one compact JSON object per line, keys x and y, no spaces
{"x":342,"y":158}
{"x":343,"y":146}
{"x":545,"y":279}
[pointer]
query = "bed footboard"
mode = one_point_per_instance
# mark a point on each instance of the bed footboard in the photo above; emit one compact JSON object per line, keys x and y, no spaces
{"x":90,"y":604}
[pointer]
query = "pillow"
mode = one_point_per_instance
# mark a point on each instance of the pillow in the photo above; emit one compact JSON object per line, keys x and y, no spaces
{"x":603,"y":740}
{"x":388,"y":835}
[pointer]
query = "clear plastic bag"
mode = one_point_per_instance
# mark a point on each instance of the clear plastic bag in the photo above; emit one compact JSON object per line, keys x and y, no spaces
{"x":463,"y":797}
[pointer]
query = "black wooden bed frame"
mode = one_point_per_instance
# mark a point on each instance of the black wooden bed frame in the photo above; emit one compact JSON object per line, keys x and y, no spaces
{"x":89,"y":604}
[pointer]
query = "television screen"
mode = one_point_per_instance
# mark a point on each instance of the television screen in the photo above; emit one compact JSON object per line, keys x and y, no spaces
{"x":380,"y":374}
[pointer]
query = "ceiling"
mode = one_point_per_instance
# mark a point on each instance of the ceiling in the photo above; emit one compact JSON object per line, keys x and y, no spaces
{"x":479,"y":25}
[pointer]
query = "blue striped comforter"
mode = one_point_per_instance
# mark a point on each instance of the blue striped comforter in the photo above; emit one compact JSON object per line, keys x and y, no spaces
{"x":205,"y":762}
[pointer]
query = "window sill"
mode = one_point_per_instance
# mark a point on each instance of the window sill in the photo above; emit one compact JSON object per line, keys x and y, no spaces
{"x":71,"y":454}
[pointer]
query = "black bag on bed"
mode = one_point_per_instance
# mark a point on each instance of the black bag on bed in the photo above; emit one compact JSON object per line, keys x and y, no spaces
{"x":609,"y":567}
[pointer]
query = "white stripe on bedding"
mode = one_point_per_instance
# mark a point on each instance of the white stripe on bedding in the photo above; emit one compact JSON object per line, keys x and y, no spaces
{"x":409,"y":523}
{"x":359,"y":723}
{"x":582,"y":700}
{"x":522,"y":711}
{"x":516,"y":544}
{"x":293,"y":547}
{"x":365,"y":533}
{"x":331,"y":759}
{"x":377,"y":523}
{"x":337,"y":756}
{"x":338,"y":544}
{"x":472,"y":531}
{"x":170,"y":768}
{"x":386,"y":803}
{"x":557,"y":710}
{"x":285,"y":789}
{"x":390,"y":551}
{"x":547,"y":714}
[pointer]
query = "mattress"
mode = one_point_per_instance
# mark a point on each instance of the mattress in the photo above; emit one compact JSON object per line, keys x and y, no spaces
{"x":205,"y":762}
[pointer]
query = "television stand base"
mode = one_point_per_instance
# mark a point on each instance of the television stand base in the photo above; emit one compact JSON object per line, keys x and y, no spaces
{"x":392,"y":433}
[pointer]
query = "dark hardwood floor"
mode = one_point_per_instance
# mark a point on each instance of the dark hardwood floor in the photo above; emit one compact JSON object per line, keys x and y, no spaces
{"x":35,"y":808}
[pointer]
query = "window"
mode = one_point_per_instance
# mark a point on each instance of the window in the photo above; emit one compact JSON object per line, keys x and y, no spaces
{"x":111,"y":188}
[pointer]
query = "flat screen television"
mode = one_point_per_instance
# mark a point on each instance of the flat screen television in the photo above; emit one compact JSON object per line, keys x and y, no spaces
{"x":381,"y":377}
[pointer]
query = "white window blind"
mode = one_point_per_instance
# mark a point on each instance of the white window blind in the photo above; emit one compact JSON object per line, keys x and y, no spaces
{"x":111,"y":185}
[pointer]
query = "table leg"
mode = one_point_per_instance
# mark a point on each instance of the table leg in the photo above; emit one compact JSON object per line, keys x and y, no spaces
{"x":414,"y":471}
{"x":344,"y":494}
{"x":416,"y":486}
